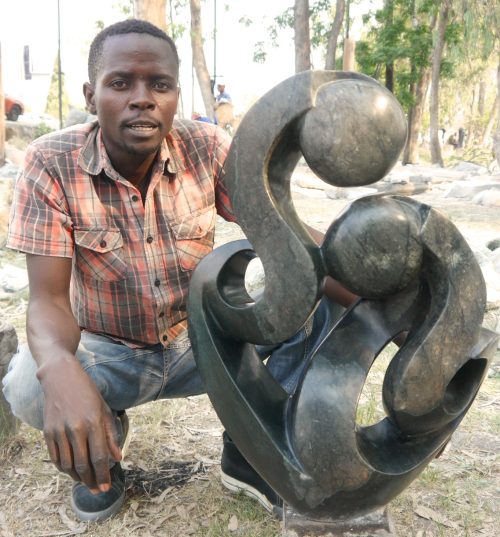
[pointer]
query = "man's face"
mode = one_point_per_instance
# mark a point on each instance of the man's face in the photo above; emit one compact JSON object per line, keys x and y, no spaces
{"x":221,"y":88}
{"x":135,"y":95}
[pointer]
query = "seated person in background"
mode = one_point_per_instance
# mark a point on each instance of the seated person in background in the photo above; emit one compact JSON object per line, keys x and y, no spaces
{"x":222,"y":97}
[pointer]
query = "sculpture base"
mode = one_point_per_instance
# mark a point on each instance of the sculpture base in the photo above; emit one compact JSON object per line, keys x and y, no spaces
{"x":376,"y":524}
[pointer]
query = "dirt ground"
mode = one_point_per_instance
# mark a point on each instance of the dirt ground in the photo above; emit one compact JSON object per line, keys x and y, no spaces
{"x":173,"y":459}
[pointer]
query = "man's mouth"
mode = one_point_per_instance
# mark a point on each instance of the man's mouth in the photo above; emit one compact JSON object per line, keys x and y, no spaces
{"x":142,"y":126}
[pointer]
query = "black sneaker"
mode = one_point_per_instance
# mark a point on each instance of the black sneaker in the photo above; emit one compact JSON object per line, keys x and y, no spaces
{"x":90,"y":507}
{"x":98,"y":507}
{"x":238,"y":476}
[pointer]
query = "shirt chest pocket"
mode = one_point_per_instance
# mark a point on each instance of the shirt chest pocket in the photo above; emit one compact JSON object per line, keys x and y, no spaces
{"x":194,"y":237}
{"x":99,"y":254}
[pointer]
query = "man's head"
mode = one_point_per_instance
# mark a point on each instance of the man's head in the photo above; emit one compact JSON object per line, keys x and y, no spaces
{"x":133,"y":89}
{"x":129,"y":26}
{"x":221,"y":87}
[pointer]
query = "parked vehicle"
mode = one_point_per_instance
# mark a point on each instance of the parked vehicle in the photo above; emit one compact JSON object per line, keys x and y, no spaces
{"x":13,"y":108}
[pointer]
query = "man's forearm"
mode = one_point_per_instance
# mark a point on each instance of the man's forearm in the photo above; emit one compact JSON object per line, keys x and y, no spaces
{"x":53,"y":335}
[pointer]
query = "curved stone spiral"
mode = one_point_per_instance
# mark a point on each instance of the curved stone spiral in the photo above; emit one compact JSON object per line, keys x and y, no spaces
{"x":411,"y":265}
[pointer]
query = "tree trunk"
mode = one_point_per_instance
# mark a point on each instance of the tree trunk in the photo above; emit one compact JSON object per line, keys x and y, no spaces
{"x":389,"y":67}
{"x":331,"y":49}
{"x":496,"y":138}
{"x":481,"y":98}
{"x":153,"y":11}
{"x":416,"y":113}
{"x":491,"y":122}
{"x":2,"y":116}
{"x":348,"y":60}
{"x":199,"y":62}
{"x":302,"y":38}
{"x":436,"y":156}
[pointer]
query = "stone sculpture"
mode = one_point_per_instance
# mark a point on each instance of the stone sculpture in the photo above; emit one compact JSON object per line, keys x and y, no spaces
{"x":410,"y":264}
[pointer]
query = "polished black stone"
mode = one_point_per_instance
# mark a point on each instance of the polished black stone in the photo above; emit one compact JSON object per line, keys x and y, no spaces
{"x":410,"y":264}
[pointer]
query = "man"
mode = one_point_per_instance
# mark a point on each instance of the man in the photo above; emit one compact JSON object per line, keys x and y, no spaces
{"x":113,"y":217}
{"x":222,"y":97}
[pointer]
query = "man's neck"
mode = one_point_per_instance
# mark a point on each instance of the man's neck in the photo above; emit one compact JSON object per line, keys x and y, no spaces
{"x":137,"y":173}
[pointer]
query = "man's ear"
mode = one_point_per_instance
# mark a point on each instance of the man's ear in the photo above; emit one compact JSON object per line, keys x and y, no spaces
{"x":89,"y":94}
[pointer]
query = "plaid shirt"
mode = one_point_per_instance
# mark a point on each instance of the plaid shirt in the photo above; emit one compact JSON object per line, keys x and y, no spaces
{"x":132,"y":262}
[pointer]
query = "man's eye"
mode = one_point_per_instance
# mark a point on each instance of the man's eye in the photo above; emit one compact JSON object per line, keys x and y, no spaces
{"x":118,"y":84}
{"x":164,"y":86}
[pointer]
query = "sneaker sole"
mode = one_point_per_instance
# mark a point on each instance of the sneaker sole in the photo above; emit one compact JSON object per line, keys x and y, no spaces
{"x":126,"y":444}
{"x":234,"y":485}
{"x":101,"y":515}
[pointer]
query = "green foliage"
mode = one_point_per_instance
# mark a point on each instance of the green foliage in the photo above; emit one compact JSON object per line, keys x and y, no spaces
{"x":246,"y":21}
{"x":477,"y":155}
{"x":259,"y":53}
{"x":124,"y":6}
{"x":41,"y":129}
{"x":321,"y":14}
{"x":398,"y":35}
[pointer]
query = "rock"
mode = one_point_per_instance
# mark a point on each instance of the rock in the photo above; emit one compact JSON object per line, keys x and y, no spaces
{"x":309,"y":192}
{"x":9,"y":171}
{"x":13,"y":279}
{"x":15,"y":156}
{"x":493,"y":244}
{"x":76,"y":116}
{"x":490,"y":198}
{"x":8,"y":347}
{"x":470,"y":167}
{"x":396,"y":180}
{"x":468,"y":189}
{"x":254,"y":277}
{"x":419,"y":179}
{"x":495,"y":261}
{"x":404,"y":189}
{"x":481,"y":253}
{"x":308,"y":180}
{"x":349,"y":193}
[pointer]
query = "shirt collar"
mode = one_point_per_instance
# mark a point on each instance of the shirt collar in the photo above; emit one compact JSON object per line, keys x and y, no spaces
{"x":94,"y":158}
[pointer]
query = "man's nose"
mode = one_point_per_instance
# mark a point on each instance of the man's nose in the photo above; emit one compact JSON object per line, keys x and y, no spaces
{"x":142,"y":98}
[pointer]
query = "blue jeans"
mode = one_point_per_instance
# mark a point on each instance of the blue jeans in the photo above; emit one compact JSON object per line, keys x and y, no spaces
{"x":129,"y":377}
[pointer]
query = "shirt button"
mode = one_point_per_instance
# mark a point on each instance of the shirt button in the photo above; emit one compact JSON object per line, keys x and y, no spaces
{"x":135,"y":198}
{"x":102,"y":244}
{"x":161,"y":314}
{"x":149,"y":239}
{"x":165,"y":338}
{"x":157,"y":283}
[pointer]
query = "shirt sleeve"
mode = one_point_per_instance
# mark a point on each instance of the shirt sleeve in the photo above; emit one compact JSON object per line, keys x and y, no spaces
{"x":39,"y":220}
{"x":222,"y":201}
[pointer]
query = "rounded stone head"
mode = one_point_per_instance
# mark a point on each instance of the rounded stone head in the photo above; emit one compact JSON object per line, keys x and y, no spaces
{"x":354,"y":134}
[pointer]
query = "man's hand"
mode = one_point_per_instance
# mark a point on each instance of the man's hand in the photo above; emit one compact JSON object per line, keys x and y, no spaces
{"x":79,"y":427}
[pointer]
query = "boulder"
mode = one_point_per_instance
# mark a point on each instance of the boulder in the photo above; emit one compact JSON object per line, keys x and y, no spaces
{"x":8,"y":347}
{"x":468,"y":189}
{"x":489,"y":198}
{"x":470,"y":167}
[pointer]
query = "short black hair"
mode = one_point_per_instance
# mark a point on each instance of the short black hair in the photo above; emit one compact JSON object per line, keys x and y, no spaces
{"x":129,"y":26}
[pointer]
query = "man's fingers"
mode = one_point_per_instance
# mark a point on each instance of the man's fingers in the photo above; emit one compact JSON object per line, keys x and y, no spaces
{"x":53,"y":450}
{"x":100,"y":458}
{"x":65,"y":456}
{"x":65,"y":453}
{"x":82,"y":463}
